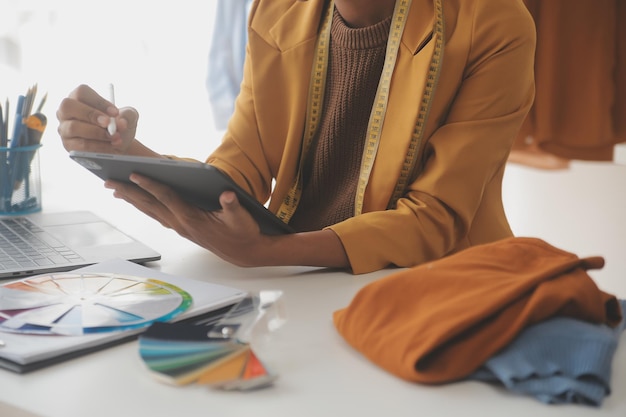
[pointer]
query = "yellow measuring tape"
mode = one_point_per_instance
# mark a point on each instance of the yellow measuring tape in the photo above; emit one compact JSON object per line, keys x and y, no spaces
{"x":410,"y":161}
{"x":317,"y":87}
{"x":379,"y":109}
{"x":377,"y":116}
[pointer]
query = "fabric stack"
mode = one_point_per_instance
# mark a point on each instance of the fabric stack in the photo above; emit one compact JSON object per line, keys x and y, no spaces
{"x":519,"y":312}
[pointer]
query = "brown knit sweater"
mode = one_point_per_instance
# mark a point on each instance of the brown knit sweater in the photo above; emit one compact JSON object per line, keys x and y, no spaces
{"x":331,"y":169}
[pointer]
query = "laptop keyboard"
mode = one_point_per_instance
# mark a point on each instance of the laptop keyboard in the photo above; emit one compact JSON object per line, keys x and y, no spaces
{"x":24,"y":245}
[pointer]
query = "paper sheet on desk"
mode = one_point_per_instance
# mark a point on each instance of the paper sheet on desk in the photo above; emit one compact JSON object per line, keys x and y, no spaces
{"x":22,"y":353}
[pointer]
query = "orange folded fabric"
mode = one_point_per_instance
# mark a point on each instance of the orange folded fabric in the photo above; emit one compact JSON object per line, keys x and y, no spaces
{"x":441,"y":321}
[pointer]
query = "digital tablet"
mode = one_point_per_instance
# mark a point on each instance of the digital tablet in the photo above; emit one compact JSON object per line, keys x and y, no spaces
{"x":196,"y":182}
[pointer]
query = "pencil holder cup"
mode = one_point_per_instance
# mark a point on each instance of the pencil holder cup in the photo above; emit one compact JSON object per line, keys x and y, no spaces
{"x":20,"y":180}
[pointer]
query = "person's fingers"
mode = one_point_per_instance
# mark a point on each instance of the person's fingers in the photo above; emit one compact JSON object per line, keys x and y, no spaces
{"x":74,"y":129}
{"x":126,"y":124}
{"x":164,"y":194}
{"x":166,"y":205}
{"x":71,"y":109}
{"x":229,"y":202}
{"x":80,"y":123}
{"x":130,"y":115}
{"x":235,"y":215}
{"x":142,"y":200}
{"x":89,"y":96}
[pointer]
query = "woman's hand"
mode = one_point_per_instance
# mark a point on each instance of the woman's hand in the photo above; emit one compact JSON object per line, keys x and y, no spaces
{"x":230,"y":233}
{"x":83,"y":119}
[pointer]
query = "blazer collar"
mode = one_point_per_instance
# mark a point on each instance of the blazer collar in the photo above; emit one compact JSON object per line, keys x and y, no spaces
{"x":419,"y":26}
{"x":288,"y":35}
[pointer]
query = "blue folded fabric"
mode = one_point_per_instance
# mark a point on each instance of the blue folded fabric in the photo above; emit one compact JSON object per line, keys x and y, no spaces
{"x":560,"y":360}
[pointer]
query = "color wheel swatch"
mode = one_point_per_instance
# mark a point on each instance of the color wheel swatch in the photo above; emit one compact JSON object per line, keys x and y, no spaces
{"x":180,"y":354}
{"x":77,"y":304}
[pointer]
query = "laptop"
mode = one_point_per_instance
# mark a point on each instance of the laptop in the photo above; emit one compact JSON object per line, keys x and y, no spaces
{"x":55,"y":242}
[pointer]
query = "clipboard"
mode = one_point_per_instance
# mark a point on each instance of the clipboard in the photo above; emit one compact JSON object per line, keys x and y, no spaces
{"x":196,"y":182}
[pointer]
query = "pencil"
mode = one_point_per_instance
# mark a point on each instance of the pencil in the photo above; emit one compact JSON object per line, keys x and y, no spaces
{"x":41,"y":103}
{"x":3,"y":138}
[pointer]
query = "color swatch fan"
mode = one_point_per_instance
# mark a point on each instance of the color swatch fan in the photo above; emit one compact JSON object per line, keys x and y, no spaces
{"x":77,"y":304}
{"x":215,"y":353}
{"x":182,"y":353}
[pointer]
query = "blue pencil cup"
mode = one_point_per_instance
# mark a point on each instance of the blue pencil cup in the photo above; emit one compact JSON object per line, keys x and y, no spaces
{"x":20,"y":180}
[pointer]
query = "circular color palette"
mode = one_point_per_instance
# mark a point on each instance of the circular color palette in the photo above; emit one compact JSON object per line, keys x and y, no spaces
{"x":77,"y":304}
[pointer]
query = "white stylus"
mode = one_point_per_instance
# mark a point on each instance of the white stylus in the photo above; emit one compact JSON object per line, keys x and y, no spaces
{"x":112,"y":127}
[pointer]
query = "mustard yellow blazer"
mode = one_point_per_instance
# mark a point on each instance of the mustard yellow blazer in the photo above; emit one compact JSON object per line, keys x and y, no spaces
{"x":477,"y":58}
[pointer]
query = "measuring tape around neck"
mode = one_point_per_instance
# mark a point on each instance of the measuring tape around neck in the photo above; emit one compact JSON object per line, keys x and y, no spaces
{"x":317,"y":87}
{"x":379,"y":108}
{"x":409,"y":167}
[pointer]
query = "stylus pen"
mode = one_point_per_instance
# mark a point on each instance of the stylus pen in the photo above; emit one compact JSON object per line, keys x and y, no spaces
{"x":112,"y":128}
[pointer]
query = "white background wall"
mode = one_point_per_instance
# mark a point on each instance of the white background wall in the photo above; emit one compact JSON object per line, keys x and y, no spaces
{"x":154,"y":52}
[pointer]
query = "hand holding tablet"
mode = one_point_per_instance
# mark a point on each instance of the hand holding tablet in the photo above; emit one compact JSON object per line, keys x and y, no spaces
{"x":198,"y":183}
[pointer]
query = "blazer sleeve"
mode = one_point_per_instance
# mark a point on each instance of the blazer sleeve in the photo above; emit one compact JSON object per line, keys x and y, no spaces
{"x":242,"y":154}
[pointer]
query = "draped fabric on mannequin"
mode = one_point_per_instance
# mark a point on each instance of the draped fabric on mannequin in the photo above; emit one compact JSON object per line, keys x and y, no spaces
{"x":580,"y":70}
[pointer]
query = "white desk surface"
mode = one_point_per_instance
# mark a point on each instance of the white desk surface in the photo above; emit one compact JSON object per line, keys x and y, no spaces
{"x":580,"y":210}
